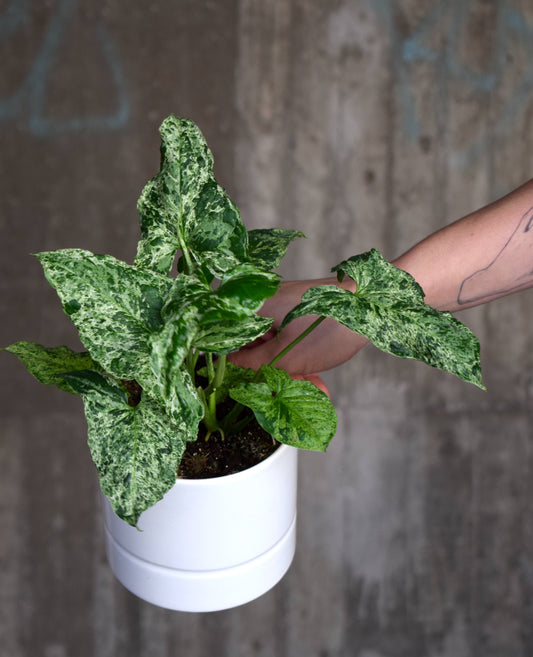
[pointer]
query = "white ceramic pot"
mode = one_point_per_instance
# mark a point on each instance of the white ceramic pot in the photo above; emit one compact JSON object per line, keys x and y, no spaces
{"x":210,"y":544}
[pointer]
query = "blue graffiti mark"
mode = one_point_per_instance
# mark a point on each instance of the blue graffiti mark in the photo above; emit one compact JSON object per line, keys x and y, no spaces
{"x":512,"y":28}
{"x":32,"y":92}
{"x":13,"y":18}
{"x":414,"y":50}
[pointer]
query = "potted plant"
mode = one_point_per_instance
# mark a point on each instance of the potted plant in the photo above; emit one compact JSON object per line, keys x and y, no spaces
{"x":196,"y":457}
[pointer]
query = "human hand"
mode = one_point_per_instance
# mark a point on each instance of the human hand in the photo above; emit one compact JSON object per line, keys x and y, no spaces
{"x":327,"y":346}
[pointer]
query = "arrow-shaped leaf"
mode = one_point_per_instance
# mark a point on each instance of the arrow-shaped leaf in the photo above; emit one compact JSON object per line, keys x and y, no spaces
{"x":172,"y":382}
{"x":296,"y":413}
{"x":169,"y":198}
{"x":247,"y":286}
{"x":216,"y":238}
{"x":223,"y":321}
{"x":46,"y":363}
{"x":116,"y":307}
{"x":388,"y":308}
{"x":136,"y":450}
{"x":267,"y":246}
{"x":183,"y":207}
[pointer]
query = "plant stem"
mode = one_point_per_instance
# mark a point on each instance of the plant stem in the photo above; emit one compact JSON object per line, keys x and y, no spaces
{"x":220,"y":371}
{"x":189,"y":265}
{"x":192,"y":359}
{"x":211,"y":399}
{"x":236,"y":410}
{"x":215,"y":382}
{"x":215,"y":377}
{"x":210,"y":367}
{"x":296,"y":340}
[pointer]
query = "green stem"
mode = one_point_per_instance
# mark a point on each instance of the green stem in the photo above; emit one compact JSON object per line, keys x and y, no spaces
{"x":296,"y":340}
{"x":236,"y":410}
{"x":218,"y":378}
{"x":210,"y":367}
{"x":209,"y":420}
{"x":215,"y":377}
{"x":211,"y":399}
{"x":189,"y":265}
{"x":231,"y":417}
{"x":203,"y":401}
{"x":219,"y":373}
{"x":192,"y":359}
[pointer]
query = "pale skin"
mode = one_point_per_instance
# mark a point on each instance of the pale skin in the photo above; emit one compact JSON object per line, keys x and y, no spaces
{"x":485,"y":255}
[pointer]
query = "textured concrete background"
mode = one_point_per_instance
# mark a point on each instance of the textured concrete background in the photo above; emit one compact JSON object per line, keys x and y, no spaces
{"x":364,"y":123}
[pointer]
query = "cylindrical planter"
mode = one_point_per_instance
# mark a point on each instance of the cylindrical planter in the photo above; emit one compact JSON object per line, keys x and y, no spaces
{"x":210,"y":544}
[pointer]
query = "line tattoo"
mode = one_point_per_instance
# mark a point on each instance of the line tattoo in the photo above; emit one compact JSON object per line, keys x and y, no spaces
{"x":494,"y":280}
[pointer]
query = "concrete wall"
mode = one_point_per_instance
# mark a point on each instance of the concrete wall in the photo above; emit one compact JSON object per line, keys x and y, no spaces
{"x":364,"y":123}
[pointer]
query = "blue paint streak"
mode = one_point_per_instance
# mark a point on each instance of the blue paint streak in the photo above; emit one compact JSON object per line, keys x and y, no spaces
{"x":512,"y":29}
{"x":13,"y":17}
{"x":31,"y":95}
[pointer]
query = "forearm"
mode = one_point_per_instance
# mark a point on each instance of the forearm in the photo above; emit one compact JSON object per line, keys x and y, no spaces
{"x":486,"y":255}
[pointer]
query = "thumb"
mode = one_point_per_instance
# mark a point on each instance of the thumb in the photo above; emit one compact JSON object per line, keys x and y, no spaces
{"x":254,"y":357}
{"x":314,"y":379}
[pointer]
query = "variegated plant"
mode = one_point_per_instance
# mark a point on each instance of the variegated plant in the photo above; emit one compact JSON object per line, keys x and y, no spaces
{"x":143,"y":329}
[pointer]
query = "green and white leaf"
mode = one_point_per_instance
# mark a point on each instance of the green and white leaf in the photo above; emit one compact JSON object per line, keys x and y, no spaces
{"x":116,"y":307}
{"x":379,"y":281}
{"x":247,"y":287}
{"x":170,"y":346}
{"x":223,"y":331}
{"x":46,"y":363}
{"x":172,"y":382}
{"x":222,"y":322}
{"x":169,"y":198}
{"x":267,"y":246}
{"x":296,"y":413}
{"x":136,"y":450}
{"x":388,"y":308}
{"x":183,"y":207}
{"x":217,"y":238}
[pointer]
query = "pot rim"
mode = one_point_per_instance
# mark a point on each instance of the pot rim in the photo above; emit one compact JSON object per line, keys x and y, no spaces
{"x":249,"y":472}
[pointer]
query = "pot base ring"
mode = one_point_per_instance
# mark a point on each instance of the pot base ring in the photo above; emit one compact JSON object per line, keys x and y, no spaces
{"x":201,"y":591}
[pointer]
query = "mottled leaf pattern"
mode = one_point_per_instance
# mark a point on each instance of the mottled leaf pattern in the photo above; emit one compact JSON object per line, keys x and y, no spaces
{"x":179,"y":398}
{"x":184,"y":207}
{"x":223,"y":332}
{"x":217,"y":239}
{"x":222,"y":322}
{"x":46,"y":363}
{"x":296,"y":413}
{"x":267,"y":246}
{"x":169,"y":198}
{"x":380,"y":282}
{"x":170,"y":346}
{"x":143,"y":327}
{"x":136,"y":450}
{"x":248,"y":287}
{"x":172,"y":383}
{"x":115,"y":306}
{"x":388,"y":308}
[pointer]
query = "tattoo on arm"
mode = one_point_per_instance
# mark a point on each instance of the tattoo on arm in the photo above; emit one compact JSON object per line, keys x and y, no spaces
{"x":495,"y":279}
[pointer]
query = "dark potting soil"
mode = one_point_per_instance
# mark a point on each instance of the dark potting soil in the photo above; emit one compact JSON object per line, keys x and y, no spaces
{"x":219,"y":456}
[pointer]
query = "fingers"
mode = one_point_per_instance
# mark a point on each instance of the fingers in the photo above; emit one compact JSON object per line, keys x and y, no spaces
{"x":264,"y":353}
{"x":254,"y":356}
{"x":269,"y":335}
{"x":315,"y":380}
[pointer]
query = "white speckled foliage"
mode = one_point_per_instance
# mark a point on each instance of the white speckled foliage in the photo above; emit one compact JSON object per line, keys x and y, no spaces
{"x":388,"y":308}
{"x":144,"y":330}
